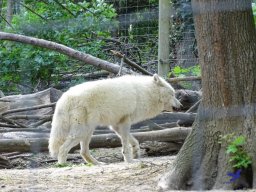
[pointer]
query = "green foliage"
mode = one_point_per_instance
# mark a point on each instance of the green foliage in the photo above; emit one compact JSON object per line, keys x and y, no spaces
{"x":179,"y":71}
{"x":239,"y":158}
{"x":58,"y":165}
{"x":82,"y":27}
{"x":89,"y":164}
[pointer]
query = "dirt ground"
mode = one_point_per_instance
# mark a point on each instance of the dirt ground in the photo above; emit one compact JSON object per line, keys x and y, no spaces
{"x":38,"y":172}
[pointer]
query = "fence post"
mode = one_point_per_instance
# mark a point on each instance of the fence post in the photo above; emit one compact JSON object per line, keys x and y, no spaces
{"x":163,"y":37}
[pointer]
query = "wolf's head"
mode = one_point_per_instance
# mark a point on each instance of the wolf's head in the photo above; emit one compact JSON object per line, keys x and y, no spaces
{"x":167,"y":94}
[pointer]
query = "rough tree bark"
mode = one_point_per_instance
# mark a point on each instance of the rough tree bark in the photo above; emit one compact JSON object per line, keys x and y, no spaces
{"x":226,"y":37}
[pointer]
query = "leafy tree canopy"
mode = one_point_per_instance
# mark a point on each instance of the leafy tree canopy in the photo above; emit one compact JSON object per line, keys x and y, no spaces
{"x":82,"y":26}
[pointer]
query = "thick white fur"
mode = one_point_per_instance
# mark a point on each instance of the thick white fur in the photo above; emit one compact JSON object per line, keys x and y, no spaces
{"x":118,"y":102}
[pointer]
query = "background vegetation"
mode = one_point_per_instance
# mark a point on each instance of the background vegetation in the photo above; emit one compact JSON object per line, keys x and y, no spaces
{"x":82,"y":26}
{"x":87,"y":26}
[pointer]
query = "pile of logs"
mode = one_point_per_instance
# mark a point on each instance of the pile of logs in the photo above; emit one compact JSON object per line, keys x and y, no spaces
{"x":25,"y":123}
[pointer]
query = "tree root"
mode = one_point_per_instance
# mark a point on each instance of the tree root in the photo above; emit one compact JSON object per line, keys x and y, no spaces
{"x":178,"y":177}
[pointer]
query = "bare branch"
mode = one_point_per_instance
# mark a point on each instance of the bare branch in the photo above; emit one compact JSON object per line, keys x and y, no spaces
{"x":131,"y":63}
{"x":28,"y":108}
{"x":32,"y":11}
{"x":93,"y":75}
{"x":6,"y":101}
{"x":12,"y":122}
{"x":8,"y":125}
{"x":86,"y":58}
{"x":6,"y":21}
{"x":63,"y":7}
{"x":42,"y":121}
{"x":193,"y":107}
{"x":177,"y":79}
{"x":27,"y":117}
{"x":9,"y":129}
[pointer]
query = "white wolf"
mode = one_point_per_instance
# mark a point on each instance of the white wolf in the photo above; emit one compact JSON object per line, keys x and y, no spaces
{"x":118,"y":102}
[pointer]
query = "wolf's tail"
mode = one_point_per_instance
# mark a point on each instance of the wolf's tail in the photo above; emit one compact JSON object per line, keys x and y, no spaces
{"x":60,"y":126}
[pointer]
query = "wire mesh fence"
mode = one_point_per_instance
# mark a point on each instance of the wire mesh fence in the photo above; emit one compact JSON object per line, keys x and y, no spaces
{"x":134,"y":33}
{"x":137,"y":33}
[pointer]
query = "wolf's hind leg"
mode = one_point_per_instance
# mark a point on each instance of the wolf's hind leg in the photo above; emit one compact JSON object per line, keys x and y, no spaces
{"x":65,"y":148}
{"x":85,"y":151}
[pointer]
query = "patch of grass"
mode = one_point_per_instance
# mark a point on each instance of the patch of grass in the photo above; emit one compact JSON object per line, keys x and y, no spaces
{"x":58,"y":165}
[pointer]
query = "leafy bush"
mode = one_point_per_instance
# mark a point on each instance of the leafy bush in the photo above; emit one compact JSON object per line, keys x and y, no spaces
{"x":81,"y":26}
{"x":180,"y":72}
{"x":239,"y":158}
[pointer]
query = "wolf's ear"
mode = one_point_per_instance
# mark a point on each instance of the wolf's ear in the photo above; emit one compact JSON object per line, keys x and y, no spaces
{"x":157,"y":79}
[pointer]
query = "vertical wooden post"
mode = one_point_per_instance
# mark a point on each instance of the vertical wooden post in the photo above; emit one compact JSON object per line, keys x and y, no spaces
{"x":163,"y":37}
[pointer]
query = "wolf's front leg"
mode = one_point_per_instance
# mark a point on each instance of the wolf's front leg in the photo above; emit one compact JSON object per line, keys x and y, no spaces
{"x":135,"y":146}
{"x":124,"y":134}
{"x":127,"y":150}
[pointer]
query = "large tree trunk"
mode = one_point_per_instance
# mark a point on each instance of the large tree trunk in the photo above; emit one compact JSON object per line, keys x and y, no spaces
{"x":226,"y":39}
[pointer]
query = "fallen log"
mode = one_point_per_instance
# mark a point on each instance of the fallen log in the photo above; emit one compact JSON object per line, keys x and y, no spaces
{"x":24,"y":110}
{"x":24,"y":135}
{"x":8,"y":125}
{"x":15,"y":129}
{"x":156,"y":148}
{"x":151,"y":126}
{"x":178,"y":79}
{"x":93,"y":75}
{"x":4,"y":162}
{"x":29,"y":109}
{"x":178,"y":134}
{"x":1,"y":94}
{"x":12,"y":122}
{"x":28,"y":117}
{"x":162,"y":121}
{"x":194,"y":107}
{"x":101,"y":130}
{"x":183,"y":119}
{"x":188,"y":98}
